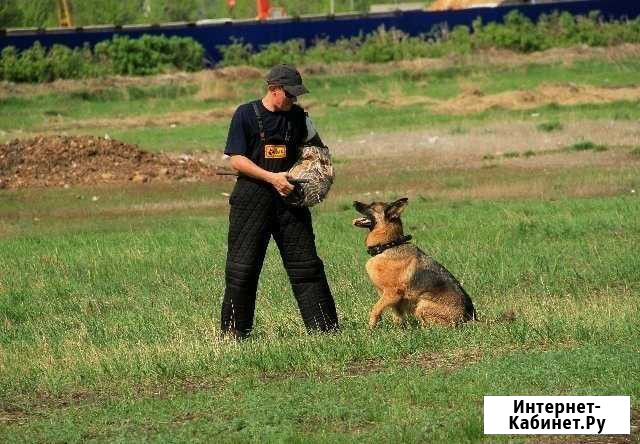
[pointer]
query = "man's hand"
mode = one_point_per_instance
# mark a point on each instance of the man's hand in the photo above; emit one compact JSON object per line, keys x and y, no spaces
{"x":244,"y":165}
{"x":280,"y":183}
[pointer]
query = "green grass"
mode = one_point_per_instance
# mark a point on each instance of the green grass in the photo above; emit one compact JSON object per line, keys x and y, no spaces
{"x":109,"y":308}
{"x":37,"y":112}
{"x":587,"y":145}
{"x":345,"y":122}
{"x":363,"y":407}
{"x":181,"y":138}
{"x":511,"y":154}
{"x":76,"y":204}
{"x":118,"y":320}
{"x":337,"y":122}
{"x":549,"y":126}
{"x":24,"y":113}
{"x":595,"y":72}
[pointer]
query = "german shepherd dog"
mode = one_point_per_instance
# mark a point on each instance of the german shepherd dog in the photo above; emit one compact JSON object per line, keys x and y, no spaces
{"x":407,"y":280}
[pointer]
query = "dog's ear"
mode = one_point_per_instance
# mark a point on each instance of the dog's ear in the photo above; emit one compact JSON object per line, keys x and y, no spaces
{"x":360,"y":207}
{"x":394,"y":209}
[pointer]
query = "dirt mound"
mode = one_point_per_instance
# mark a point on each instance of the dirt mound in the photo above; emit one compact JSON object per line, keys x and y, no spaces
{"x":58,"y":161}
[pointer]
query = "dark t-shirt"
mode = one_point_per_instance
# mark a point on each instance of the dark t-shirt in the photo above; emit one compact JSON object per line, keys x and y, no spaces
{"x":244,"y":133}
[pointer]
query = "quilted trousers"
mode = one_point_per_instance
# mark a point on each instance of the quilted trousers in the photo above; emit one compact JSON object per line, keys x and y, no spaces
{"x":258,"y":213}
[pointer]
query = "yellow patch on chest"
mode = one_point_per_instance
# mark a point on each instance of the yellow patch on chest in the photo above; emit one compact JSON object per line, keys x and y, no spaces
{"x":275,"y":151}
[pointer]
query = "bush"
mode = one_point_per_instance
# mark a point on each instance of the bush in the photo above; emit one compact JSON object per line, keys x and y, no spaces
{"x":154,"y":54}
{"x":8,"y":62}
{"x":74,"y":63}
{"x":32,"y":65}
{"x":275,"y":53}
{"x":150,"y":54}
{"x":517,"y":33}
{"x":383,"y":46}
{"x":342,"y":50}
{"x":235,"y":54}
{"x":39,"y":65}
{"x":387,"y":45}
{"x":186,"y":53}
{"x":459,"y":40}
{"x":121,"y":55}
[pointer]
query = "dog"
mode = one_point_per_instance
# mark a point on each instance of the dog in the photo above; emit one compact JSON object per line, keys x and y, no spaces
{"x":408,"y":280}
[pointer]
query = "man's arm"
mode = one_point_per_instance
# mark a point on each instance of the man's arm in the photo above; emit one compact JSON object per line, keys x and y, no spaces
{"x":244,"y":165}
{"x":313,"y":138}
{"x":316,"y":141}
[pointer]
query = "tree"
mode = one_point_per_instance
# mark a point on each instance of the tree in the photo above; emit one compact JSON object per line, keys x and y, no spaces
{"x":38,"y":13}
{"x":185,"y":10}
{"x":117,"y":12}
{"x":10,"y":15}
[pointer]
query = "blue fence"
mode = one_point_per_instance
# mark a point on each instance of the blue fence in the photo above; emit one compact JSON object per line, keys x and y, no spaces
{"x":310,"y":28}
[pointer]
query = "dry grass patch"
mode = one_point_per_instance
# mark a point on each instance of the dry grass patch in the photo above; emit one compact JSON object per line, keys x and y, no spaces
{"x":441,"y":147}
{"x":447,"y":361}
{"x":236,"y":73}
{"x":8,"y":89}
{"x":474,"y":101}
{"x":173,"y":206}
{"x":484,"y":58}
{"x":59,"y":124}
{"x":92,"y":84}
{"x":514,"y":190}
{"x":446,"y":177}
{"x":393,"y":101}
{"x":214,"y":85}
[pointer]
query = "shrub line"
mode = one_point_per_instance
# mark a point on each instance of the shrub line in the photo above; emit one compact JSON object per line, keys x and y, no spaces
{"x":149,"y":54}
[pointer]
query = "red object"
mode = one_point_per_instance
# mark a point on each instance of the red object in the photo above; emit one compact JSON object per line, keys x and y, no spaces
{"x":231,"y":4}
{"x":263,"y":8}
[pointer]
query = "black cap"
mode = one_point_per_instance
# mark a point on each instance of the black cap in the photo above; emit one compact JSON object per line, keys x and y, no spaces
{"x":288,"y":77}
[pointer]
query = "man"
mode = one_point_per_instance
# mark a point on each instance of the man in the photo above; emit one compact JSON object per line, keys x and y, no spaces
{"x":263,"y":142}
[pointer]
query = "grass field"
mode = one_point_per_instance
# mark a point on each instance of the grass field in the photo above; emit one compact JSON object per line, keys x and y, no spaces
{"x":109,"y":307}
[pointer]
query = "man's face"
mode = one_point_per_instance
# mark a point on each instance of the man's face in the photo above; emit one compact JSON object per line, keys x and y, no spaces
{"x":281,"y":100}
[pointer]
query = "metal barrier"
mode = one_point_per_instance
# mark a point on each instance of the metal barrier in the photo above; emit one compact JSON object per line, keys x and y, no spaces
{"x":213,"y":33}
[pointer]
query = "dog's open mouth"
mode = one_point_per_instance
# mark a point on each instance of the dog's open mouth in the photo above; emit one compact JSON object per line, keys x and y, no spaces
{"x":363,"y":222}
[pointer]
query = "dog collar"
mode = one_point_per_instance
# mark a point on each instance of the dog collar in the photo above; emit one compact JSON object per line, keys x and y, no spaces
{"x":377,"y":249}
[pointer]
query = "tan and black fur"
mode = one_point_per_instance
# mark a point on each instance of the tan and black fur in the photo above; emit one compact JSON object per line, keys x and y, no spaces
{"x":409,"y":281}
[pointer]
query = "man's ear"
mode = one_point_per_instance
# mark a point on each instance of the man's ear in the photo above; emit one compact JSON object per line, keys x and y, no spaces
{"x":394,"y":209}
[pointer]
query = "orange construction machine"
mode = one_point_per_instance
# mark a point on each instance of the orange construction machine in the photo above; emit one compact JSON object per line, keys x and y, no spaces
{"x":65,"y":17}
{"x":266,"y":11}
